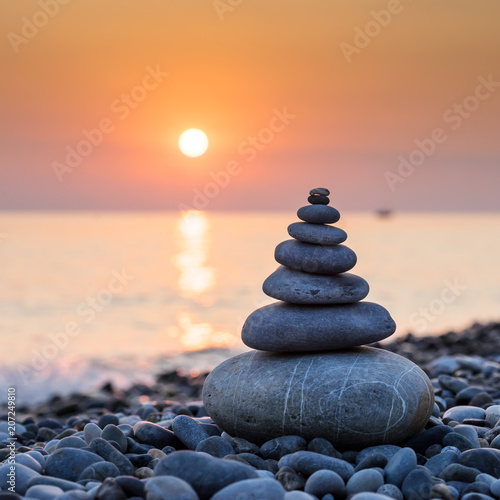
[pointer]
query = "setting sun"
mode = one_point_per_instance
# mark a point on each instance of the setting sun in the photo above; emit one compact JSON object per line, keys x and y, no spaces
{"x":193,"y":142}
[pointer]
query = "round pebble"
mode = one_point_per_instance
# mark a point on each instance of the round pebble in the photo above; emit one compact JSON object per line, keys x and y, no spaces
{"x":318,"y":200}
{"x":317,"y":233}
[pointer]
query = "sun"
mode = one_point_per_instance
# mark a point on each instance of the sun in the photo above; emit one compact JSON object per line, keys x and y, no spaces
{"x":193,"y":142}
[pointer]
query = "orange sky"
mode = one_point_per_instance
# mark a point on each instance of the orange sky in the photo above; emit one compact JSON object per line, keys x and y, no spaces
{"x":349,"y":120}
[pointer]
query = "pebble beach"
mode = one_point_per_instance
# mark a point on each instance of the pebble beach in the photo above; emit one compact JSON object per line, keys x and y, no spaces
{"x":157,"y":441}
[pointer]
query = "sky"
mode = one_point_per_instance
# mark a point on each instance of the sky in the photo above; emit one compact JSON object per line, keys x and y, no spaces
{"x":390,"y":104}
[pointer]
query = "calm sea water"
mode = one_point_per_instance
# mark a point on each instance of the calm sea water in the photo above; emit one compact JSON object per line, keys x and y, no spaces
{"x":87,"y":297}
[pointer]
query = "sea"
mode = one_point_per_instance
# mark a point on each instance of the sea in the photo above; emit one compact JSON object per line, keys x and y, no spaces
{"x":91,"y":297}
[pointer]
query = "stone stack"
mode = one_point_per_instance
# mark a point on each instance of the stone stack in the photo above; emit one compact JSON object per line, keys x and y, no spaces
{"x":311,"y":374}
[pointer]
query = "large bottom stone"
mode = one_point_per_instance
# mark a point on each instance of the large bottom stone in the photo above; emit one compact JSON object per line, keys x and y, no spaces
{"x":354,"y":397}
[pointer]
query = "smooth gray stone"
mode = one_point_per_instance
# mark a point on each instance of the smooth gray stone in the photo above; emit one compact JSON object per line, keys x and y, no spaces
{"x":169,"y":488}
{"x":91,"y":431}
{"x":28,"y":461}
{"x":153,"y":434}
{"x":69,"y":463}
{"x":315,"y":258}
{"x":418,"y":484}
{"x":252,"y":489}
{"x":308,"y":462}
{"x":282,"y":327}
{"x":283,"y":445}
{"x":460,"y":413}
{"x":112,"y":433}
{"x":204,"y":473}
{"x":298,"y":495}
{"x":216,"y":446}
{"x":320,"y":191}
{"x":23,"y":475}
{"x":111,"y":454}
{"x":323,"y":482}
{"x":71,"y":442}
{"x":391,"y":491}
{"x":388,"y":450}
{"x":368,"y":495}
{"x":190,"y":432}
{"x":43,"y":492}
{"x":55,"y":481}
{"x":364,"y":480}
{"x":298,"y":287}
{"x":317,"y":233}
{"x":486,"y":460}
{"x":399,"y":466}
{"x":439,"y":462}
{"x":318,"y":214}
{"x":100,"y":471}
{"x":354,"y":398}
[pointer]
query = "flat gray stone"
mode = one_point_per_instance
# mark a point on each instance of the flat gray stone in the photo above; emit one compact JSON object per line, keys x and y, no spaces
{"x":317,"y":233}
{"x":354,"y":398}
{"x":298,"y":287}
{"x":320,"y":191}
{"x":315,"y":258}
{"x":252,"y":489}
{"x":69,"y":463}
{"x":318,"y":214}
{"x":282,"y":327}
{"x":168,"y":488}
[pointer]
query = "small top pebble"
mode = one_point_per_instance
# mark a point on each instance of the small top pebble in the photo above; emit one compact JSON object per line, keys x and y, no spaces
{"x":319,"y":191}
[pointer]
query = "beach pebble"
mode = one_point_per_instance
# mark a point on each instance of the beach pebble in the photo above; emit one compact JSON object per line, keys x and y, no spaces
{"x":318,"y":214}
{"x":152,"y":434}
{"x":43,"y":492}
{"x":318,"y":200}
{"x":486,"y":460}
{"x":100,"y":471}
{"x":458,"y":472}
{"x":298,"y":495}
{"x":71,"y":442}
{"x":417,"y":484}
{"x":460,"y":413}
{"x":107,"y":418}
{"x":112,"y":433}
{"x":69,"y":463}
{"x":22,"y":473}
{"x":453,"y":384}
{"x":241,"y":445}
{"x":438,"y":463}
{"x":298,"y":287}
{"x":169,"y":488}
{"x":282,"y":327}
{"x":252,"y":489}
{"x":55,"y":481}
{"x":91,"y":431}
{"x":107,"y":451}
{"x":317,"y":233}
{"x":308,"y":462}
{"x":283,"y":445}
{"x":204,"y":473}
{"x":374,"y":460}
{"x":388,"y":450}
{"x":254,"y":460}
{"x":315,"y":258}
{"x":364,"y":480}
{"x":25,"y":459}
{"x":458,"y":441}
{"x":495,"y":488}
{"x":399,"y":466}
{"x":325,"y":481}
{"x":468,"y":432}
{"x":110,"y":490}
{"x":188,"y":431}
{"x":476,"y":496}
{"x":216,"y":446}
{"x":427,"y":438}
{"x":368,"y":495}
{"x":391,"y":491}
{"x":289,"y":479}
{"x":323,"y":446}
{"x":492,"y":415}
{"x":144,"y":472}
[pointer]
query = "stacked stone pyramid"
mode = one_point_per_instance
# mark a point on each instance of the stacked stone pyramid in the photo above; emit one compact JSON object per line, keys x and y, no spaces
{"x":311,"y":374}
